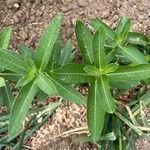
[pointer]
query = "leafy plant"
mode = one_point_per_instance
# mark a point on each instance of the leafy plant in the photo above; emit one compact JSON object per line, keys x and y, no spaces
{"x":108,"y":59}
{"x":6,"y":96}
{"x":113,"y":60}
{"x":34,"y":75}
{"x":122,"y":42}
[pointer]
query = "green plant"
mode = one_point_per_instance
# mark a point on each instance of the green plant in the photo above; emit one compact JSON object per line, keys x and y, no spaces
{"x":110,"y":59}
{"x":123,"y":43}
{"x":32,"y":71}
{"x":4,"y":87}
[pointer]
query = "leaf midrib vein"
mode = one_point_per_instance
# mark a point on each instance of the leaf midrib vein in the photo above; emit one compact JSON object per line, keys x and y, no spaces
{"x":105,"y":94}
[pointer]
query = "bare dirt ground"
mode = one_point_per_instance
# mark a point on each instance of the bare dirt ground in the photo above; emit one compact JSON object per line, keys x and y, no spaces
{"x":29,"y":17}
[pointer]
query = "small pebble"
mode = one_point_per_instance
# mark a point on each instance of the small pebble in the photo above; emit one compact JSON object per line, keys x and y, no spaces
{"x":16,"y":19}
{"x":82,"y":3}
{"x":16,"y":5}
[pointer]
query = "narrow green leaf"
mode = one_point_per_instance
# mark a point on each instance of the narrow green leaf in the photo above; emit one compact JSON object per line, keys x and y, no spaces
{"x":133,"y":54}
{"x":110,"y":56}
{"x":98,"y":48}
{"x":10,"y":75}
{"x":66,"y":54}
{"x":110,"y":68}
{"x":68,"y":92}
{"x":95,"y":112}
{"x":73,"y":73}
{"x":46,"y":43}
{"x":91,"y":70}
{"x":5,"y":37}
{"x":7,"y":97}
{"x":96,"y":23}
{"x":137,"y":38}
{"x":2,"y":82}
{"x":12,"y":61}
{"x":84,"y":39}
{"x":136,"y":73}
{"x":1,"y":100}
{"x":46,"y":84}
{"x":24,"y":50}
{"x":124,"y":84}
{"x":55,"y":55}
{"x":21,"y":107}
{"x":106,"y":99}
{"x":123,"y":28}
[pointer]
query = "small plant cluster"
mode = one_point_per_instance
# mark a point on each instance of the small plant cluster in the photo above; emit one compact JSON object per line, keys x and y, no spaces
{"x":113,"y":61}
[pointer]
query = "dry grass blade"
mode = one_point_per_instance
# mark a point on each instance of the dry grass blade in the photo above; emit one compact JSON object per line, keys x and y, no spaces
{"x":80,"y":130}
{"x":28,"y":147}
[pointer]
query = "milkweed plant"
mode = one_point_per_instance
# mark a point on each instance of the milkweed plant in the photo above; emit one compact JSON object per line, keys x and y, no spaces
{"x":113,"y":61}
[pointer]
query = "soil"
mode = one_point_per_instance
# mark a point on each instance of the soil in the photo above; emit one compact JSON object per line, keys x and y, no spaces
{"x":29,"y":17}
